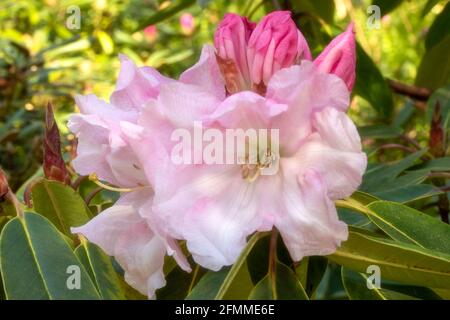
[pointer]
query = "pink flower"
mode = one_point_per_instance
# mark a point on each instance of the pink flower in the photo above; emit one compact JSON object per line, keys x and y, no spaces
{"x":126,"y":230}
{"x":151,"y":32}
{"x":187,"y":23}
{"x":215,"y":207}
{"x":339,"y":57}
{"x":257,"y":51}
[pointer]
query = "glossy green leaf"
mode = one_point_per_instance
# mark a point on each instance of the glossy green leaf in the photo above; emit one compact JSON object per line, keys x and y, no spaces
{"x":355,"y":285}
{"x":101,"y":270}
{"x":258,"y":258}
{"x":376,"y":179}
{"x":379,"y":131}
{"x":283,"y":284}
{"x":438,"y":164}
{"x":387,"y":6}
{"x":36,"y":262}
{"x":237,"y":266}
{"x":400,"y":262}
{"x":413,"y":291}
{"x":428,"y":6}
{"x":60,"y":204}
{"x":439,"y":29}
{"x":363,"y":197}
{"x":209,"y":285}
{"x":323,"y":9}
{"x":411,"y":226}
{"x":408,"y":193}
{"x":166,"y":13}
{"x":371,"y":85}
{"x":310,"y":272}
{"x":180,"y":283}
{"x":434,"y":69}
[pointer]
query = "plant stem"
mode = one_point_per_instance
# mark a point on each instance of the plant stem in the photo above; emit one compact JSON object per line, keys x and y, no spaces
{"x":414,"y":92}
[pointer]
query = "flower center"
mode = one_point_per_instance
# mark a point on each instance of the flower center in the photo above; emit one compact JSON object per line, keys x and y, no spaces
{"x":265,"y":162}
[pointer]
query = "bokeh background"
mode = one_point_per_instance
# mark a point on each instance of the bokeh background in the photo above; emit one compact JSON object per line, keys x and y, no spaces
{"x":42,"y":60}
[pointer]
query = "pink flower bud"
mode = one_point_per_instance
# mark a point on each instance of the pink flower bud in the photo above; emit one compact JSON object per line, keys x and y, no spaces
{"x":187,"y":23}
{"x":151,"y":32}
{"x":274,"y":44}
{"x":339,"y":57}
{"x":231,"y":40}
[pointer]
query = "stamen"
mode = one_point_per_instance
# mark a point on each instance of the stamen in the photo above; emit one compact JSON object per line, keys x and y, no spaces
{"x":93,"y":177}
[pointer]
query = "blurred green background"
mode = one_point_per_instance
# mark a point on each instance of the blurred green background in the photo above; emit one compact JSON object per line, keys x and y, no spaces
{"x":42,"y":59}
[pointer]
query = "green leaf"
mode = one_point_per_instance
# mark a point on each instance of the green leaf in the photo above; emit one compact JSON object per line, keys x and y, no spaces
{"x":408,"y":225}
{"x":60,"y":204}
{"x":438,"y":164}
{"x":434,"y":69}
{"x":166,"y":13}
{"x":101,"y":270}
{"x":323,"y":9}
{"x":258,"y":258}
{"x":363,"y":197}
{"x":376,"y":179}
{"x":331,"y":286}
{"x":237,"y":266}
{"x":400,"y":262}
{"x":387,"y":6}
{"x":310,"y":272}
{"x":439,"y":29}
{"x":379,"y":131}
{"x":428,"y":6}
{"x":34,"y":262}
{"x":180,"y":283}
{"x":209,"y":285}
{"x":282,"y":285}
{"x":408,"y":193}
{"x":106,"y":42}
{"x":355,"y":285}
{"x":371,"y":85}
{"x":414,"y":291}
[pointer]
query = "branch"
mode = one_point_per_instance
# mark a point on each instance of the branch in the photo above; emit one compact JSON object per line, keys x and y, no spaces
{"x":414,"y":92}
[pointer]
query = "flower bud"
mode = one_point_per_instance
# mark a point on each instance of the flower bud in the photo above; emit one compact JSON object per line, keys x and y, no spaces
{"x":274,"y":44}
{"x":187,"y":23}
{"x":4,"y":187}
{"x":231,"y":40}
{"x":151,"y":32}
{"x":339,"y":57}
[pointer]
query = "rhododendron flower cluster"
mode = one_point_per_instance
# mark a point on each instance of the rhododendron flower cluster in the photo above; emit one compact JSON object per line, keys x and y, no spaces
{"x":256,"y":76}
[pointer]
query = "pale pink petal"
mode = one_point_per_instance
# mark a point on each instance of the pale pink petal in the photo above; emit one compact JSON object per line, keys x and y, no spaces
{"x":245,"y":110}
{"x":135,"y":86}
{"x":334,"y":151}
{"x":184,"y":103}
{"x":206,"y":74}
{"x":309,"y":224}
{"x":91,"y":105}
{"x":337,"y":129}
{"x":121,"y":232}
{"x":150,"y":143}
{"x":305,"y":90}
{"x":219,"y":212}
{"x":101,"y":150}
